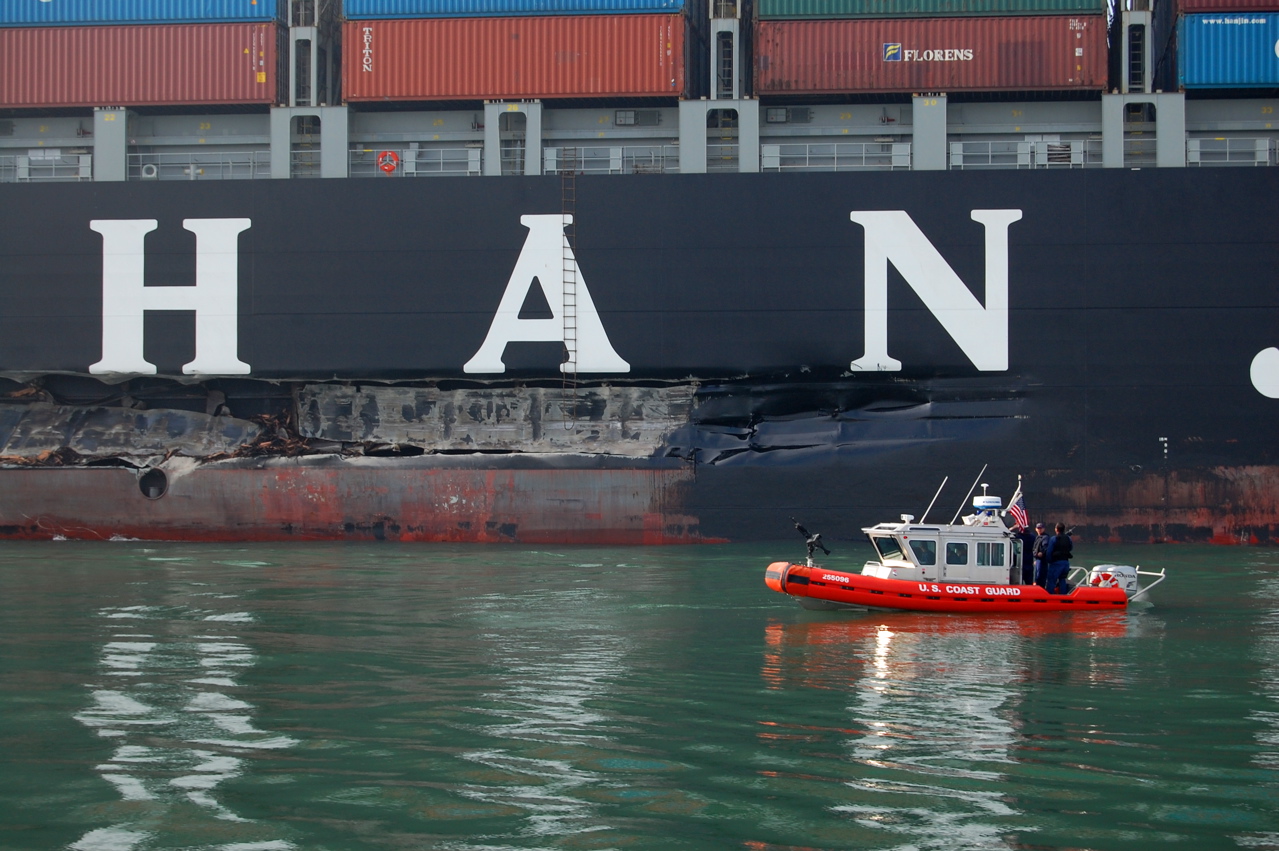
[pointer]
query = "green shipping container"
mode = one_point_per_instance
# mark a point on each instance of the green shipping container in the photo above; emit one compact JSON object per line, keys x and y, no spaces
{"x":814,"y":9}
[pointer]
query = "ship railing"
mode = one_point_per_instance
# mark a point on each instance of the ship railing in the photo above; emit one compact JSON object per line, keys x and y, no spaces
{"x":723,"y":156}
{"x":1015,"y":154}
{"x":1230,"y":151}
{"x":512,"y":155}
{"x":46,"y":166}
{"x":989,"y":155}
{"x":200,"y":165}
{"x":614,"y":159}
{"x":835,"y":156}
{"x":1069,"y":153}
{"x":1140,"y":151}
{"x":304,"y":161}
{"x":413,"y":161}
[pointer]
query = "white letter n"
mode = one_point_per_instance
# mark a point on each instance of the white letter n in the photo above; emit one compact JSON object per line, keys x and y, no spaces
{"x":981,"y":332}
{"x":214,"y":298}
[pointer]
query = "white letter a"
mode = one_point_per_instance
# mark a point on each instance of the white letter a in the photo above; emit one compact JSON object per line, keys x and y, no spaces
{"x":546,"y":256}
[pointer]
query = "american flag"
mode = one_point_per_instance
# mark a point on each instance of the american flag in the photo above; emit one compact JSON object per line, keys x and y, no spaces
{"x":1018,"y":511}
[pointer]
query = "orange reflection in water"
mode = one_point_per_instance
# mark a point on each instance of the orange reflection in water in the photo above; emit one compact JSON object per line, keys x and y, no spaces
{"x":835,"y":652}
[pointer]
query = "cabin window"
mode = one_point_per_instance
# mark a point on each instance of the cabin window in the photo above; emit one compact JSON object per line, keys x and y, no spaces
{"x":956,"y":552}
{"x":925,"y":551}
{"x":990,"y":554}
{"x":888,"y":548}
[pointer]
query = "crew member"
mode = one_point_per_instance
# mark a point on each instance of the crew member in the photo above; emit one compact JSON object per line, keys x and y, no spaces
{"x":1040,"y":553}
{"x":1059,"y":553}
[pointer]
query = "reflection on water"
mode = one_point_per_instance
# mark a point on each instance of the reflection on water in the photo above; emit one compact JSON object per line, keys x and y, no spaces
{"x":1267,"y":655}
{"x":164,"y":697}
{"x":315,"y":697}
{"x":939,"y":723}
{"x":936,"y":719}
{"x":554,"y":656}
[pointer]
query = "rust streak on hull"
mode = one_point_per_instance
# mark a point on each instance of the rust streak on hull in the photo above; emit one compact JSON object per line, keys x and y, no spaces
{"x":1219,"y":505}
{"x":273,"y":502}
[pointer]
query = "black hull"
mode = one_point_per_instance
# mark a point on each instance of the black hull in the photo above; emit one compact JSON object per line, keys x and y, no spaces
{"x":1137,"y":303}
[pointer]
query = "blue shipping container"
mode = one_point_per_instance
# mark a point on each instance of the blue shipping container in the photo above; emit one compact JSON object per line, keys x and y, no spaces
{"x":1228,"y":50}
{"x":18,"y":13}
{"x":363,"y":10}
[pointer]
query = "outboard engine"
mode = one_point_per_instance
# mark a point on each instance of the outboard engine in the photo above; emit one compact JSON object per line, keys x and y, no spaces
{"x":1114,"y":576}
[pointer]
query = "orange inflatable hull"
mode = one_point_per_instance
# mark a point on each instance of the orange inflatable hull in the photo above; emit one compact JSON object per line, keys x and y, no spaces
{"x":854,"y":589}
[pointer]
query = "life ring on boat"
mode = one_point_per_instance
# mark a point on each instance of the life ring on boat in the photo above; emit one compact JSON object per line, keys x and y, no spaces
{"x":1105,"y":580}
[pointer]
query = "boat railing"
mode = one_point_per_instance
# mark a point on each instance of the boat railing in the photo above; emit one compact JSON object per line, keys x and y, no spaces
{"x":835,"y":156}
{"x":1079,"y":574}
{"x":1023,"y":154}
{"x":1230,"y":152}
{"x":200,"y":165}
{"x":412,"y":161}
{"x":611,"y":159}
{"x":1160,"y":577}
{"x":46,"y":166}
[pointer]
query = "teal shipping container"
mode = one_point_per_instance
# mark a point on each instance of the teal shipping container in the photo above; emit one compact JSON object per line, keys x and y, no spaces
{"x":1228,"y":50}
{"x":372,"y":10}
{"x":780,"y":10}
{"x":43,"y":13}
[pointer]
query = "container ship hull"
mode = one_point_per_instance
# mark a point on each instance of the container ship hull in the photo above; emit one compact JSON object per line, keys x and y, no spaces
{"x":675,"y":359}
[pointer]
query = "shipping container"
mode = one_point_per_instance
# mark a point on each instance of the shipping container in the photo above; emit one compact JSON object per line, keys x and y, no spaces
{"x":91,"y":12}
{"x":1026,"y":53}
{"x":355,"y":10}
{"x":1194,"y":6}
{"x":828,"y":9}
{"x":156,"y":64}
{"x":530,"y":57}
{"x":1228,"y":50}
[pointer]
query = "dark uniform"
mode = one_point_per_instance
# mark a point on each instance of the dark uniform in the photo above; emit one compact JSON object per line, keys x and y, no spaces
{"x":1059,"y":549}
{"x":1040,"y":553}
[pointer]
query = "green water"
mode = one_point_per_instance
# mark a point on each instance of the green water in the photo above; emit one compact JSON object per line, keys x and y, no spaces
{"x":264,"y":698}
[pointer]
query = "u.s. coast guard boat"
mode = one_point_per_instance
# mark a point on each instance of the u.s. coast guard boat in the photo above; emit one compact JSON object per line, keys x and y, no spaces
{"x":970,"y":566}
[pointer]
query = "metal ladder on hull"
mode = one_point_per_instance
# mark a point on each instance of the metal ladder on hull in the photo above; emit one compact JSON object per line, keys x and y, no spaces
{"x":568,"y":198}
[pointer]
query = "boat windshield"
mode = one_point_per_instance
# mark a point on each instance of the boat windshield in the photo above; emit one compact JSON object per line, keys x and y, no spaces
{"x":887,"y":547}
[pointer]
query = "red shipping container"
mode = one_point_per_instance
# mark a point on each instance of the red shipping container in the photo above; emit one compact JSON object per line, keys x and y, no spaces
{"x":1033,"y":52}
{"x":140,"y":65}
{"x":527,"y":57}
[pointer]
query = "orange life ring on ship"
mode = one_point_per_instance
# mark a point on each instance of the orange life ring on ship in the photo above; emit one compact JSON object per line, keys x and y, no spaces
{"x":388,"y":161}
{"x":1105,"y":580}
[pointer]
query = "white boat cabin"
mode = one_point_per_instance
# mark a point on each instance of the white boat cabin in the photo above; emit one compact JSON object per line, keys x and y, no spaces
{"x":981,"y":550}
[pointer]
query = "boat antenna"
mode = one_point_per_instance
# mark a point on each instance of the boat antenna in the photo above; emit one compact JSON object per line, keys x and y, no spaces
{"x":924,"y":519}
{"x":970,"y":493}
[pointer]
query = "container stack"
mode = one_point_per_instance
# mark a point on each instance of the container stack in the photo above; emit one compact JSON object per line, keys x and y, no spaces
{"x":823,"y":47}
{"x":1228,"y":44}
{"x":78,"y":53}
{"x":440,"y":50}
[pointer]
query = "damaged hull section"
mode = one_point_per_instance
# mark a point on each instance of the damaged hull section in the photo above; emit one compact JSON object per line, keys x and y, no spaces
{"x":578,"y":500}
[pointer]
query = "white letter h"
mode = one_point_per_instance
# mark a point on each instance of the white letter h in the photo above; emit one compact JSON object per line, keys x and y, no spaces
{"x":214,"y":298}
